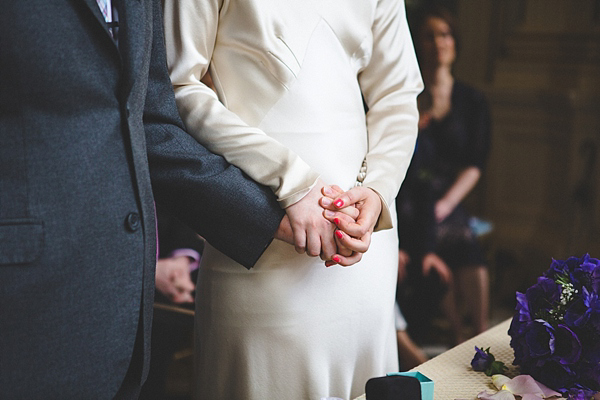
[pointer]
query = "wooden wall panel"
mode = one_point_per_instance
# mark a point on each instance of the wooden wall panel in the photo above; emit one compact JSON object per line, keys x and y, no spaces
{"x":538,"y":61}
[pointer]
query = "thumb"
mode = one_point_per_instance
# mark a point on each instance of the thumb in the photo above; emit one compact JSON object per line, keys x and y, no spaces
{"x":331,"y":191}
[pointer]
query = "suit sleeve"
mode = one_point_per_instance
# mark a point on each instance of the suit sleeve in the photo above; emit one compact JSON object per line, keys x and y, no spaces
{"x":390,"y":83}
{"x":233,"y":213}
{"x":175,"y":235}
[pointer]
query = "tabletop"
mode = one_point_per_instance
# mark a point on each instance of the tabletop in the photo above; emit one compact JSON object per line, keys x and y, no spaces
{"x":451,"y":371}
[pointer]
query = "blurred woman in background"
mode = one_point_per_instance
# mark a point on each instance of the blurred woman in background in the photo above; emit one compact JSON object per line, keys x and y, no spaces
{"x":451,"y":153}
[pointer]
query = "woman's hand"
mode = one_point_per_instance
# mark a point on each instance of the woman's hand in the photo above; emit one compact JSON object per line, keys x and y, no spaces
{"x":462,"y":186}
{"x":332,"y":192}
{"x":353,"y":233}
{"x":442,"y":209}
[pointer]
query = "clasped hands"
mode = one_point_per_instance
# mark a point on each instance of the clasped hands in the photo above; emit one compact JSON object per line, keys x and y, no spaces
{"x":327,"y":222}
{"x":331,"y":223}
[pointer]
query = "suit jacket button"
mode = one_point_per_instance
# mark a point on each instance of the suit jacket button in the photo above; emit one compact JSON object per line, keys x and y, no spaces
{"x":132,"y":222}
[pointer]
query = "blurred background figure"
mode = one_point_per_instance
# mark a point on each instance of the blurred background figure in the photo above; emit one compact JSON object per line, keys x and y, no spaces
{"x":440,"y":258}
{"x":180,"y":250}
{"x":538,"y":63}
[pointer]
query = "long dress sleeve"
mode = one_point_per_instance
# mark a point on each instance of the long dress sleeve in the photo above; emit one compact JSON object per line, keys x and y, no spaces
{"x":190,"y":32}
{"x":390,"y":83}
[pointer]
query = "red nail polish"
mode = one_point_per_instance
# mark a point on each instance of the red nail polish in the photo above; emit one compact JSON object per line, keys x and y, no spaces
{"x":339,"y":203}
{"x":339,"y":234}
{"x":336,"y":221}
{"x":336,"y":259}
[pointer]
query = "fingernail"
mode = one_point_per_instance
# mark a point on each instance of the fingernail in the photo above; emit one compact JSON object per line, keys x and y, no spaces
{"x":329,"y":213}
{"x":339,"y":203}
{"x":326,"y":201}
{"x":337,"y":259}
{"x":339,"y":234}
{"x":327,"y":190}
{"x":336,"y":221}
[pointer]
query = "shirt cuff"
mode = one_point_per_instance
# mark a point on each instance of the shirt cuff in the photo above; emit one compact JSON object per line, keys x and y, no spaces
{"x":190,"y":253}
{"x":296,"y":197}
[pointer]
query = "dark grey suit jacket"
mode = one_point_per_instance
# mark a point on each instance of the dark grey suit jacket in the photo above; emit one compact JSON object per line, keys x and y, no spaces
{"x":84,"y":127}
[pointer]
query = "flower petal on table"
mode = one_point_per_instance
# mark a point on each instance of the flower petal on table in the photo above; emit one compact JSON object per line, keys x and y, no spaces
{"x":524,"y":384}
{"x":501,"y":395}
{"x":532,"y":397}
{"x":547,"y":391}
{"x":499,"y":380}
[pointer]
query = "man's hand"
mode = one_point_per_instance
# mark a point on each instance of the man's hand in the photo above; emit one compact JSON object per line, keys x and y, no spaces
{"x":312,"y":233}
{"x":354,"y":231}
{"x":432,"y":261}
{"x":284,"y":232}
{"x":173,"y":279}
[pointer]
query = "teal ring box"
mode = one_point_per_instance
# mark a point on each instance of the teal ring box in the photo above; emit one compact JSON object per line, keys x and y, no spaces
{"x":426,"y":383}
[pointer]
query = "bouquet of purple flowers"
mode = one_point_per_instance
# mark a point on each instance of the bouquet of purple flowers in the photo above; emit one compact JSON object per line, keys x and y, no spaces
{"x":555,"y":332}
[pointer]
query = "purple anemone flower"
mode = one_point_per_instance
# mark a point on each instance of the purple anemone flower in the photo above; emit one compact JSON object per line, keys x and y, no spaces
{"x":579,"y":393}
{"x":543,"y":295}
{"x":482,"y":359}
{"x":567,"y":346}
{"x":540,"y":339}
{"x":585,"y":310}
{"x":555,"y":332}
{"x":596,"y":279}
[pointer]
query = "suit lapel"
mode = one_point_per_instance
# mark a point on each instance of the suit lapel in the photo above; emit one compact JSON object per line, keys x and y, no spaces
{"x":132,"y":36}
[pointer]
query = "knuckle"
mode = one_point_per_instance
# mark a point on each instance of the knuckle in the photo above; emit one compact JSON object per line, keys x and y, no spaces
{"x":313,"y":252}
{"x":363,"y":231}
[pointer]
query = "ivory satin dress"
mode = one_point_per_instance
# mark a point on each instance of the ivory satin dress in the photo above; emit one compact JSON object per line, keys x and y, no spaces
{"x":288,"y":108}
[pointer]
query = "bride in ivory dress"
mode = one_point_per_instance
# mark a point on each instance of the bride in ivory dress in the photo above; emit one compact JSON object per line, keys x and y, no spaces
{"x":290,"y":79}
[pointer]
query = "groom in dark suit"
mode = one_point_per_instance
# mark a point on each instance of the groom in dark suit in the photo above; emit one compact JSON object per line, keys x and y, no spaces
{"x":87,"y":119}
